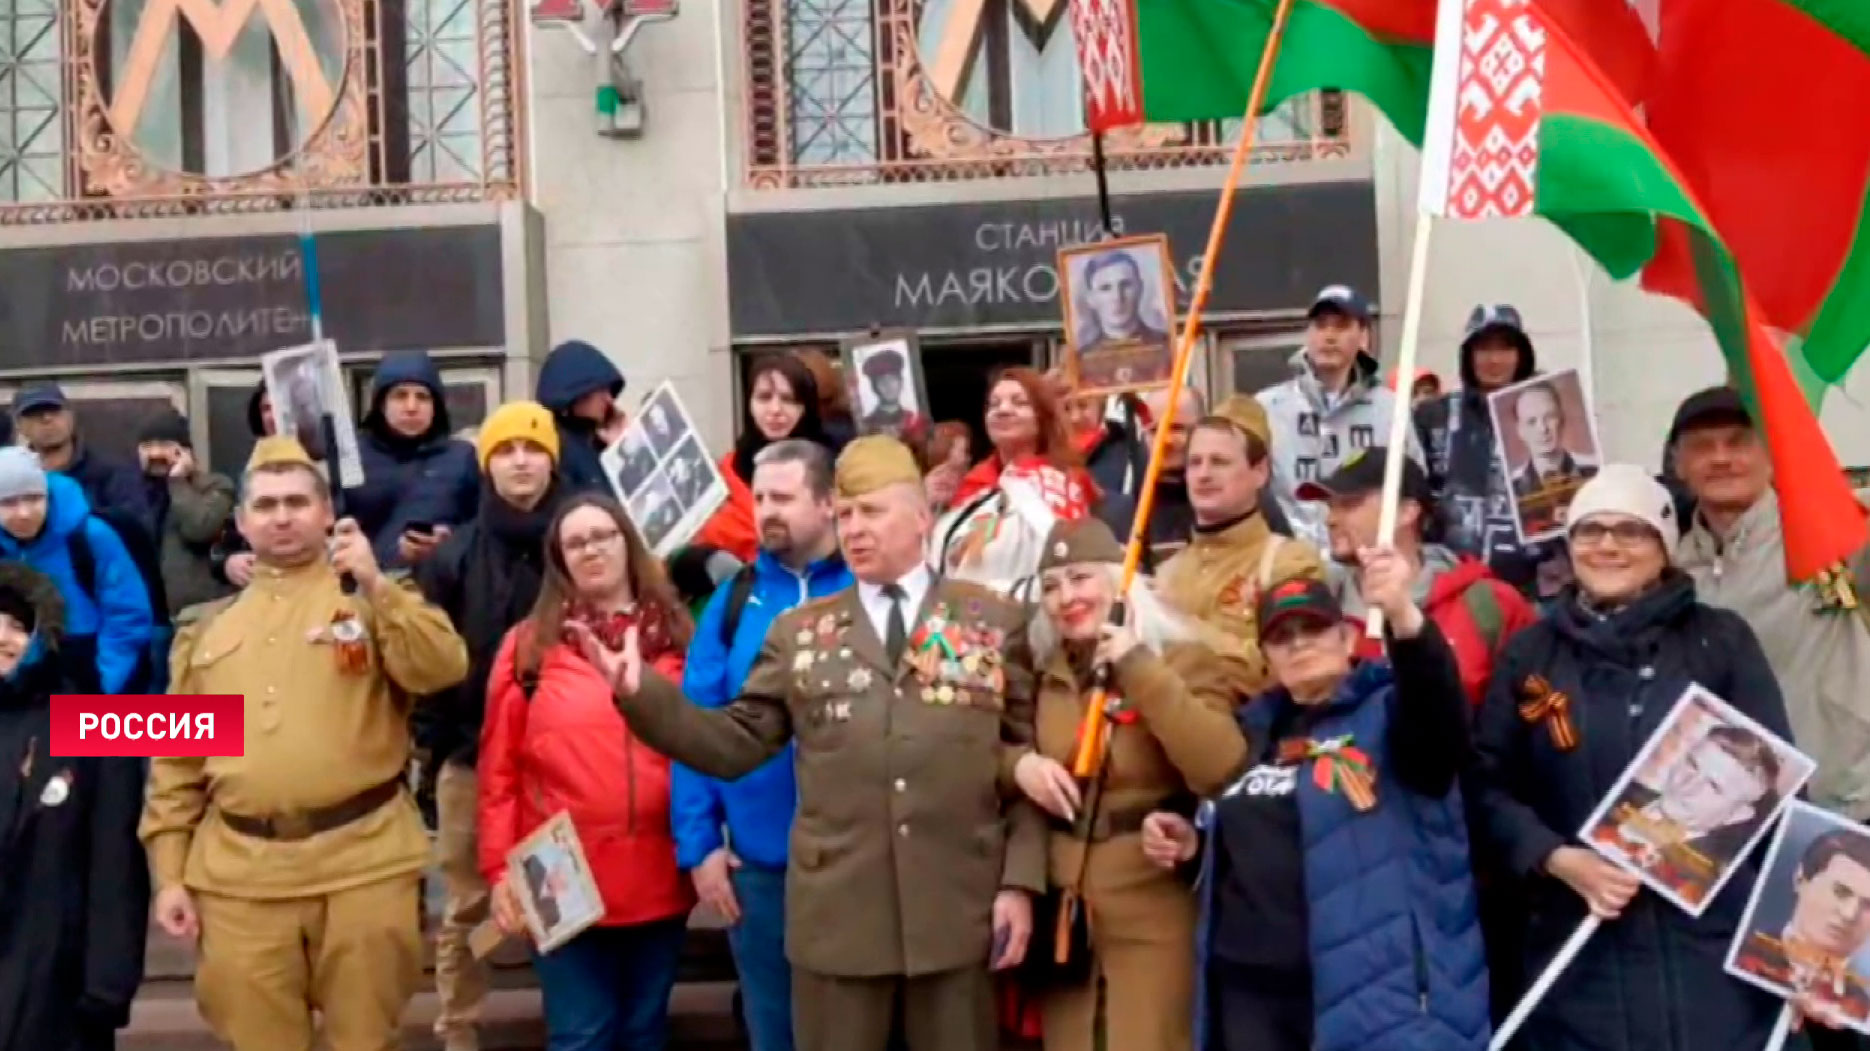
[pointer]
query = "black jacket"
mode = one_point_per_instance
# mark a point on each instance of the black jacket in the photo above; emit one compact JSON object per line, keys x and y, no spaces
{"x":433,"y":479}
{"x":74,"y":885}
{"x":574,"y":369}
{"x":485,"y":577}
{"x":113,"y":485}
{"x":1652,"y":980}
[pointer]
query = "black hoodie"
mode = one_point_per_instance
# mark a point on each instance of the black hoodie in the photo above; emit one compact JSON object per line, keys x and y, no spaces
{"x":74,"y":884}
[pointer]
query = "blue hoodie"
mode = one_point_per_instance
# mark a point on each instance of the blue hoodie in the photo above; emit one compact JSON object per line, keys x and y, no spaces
{"x":574,"y":369}
{"x":117,"y":623}
{"x":433,"y":479}
{"x":756,"y":809}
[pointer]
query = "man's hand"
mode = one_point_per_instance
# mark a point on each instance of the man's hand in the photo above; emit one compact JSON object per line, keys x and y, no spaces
{"x":239,"y":568}
{"x":1388,"y":583}
{"x":175,"y":913}
{"x":351,"y":554}
{"x":1048,"y":784}
{"x":1807,"y":1007}
{"x":622,"y":669}
{"x":414,"y":546}
{"x":184,"y":463}
{"x":1169,"y":839}
{"x":507,"y":913}
{"x":1605,"y":888}
{"x":1012,"y":914}
{"x":714,"y":883}
{"x":613,"y":426}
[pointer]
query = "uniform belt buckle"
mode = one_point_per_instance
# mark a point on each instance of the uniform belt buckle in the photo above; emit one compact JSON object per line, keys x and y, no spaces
{"x":296,"y":825}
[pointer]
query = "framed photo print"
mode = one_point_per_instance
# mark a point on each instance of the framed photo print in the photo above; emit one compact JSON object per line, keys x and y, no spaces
{"x":556,"y":890}
{"x":1546,"y":440}
{"x":1696,"y":799}
{"x":888,"y":395}
{"x":662,"y":474}
{"x":1806,"y":931}
{"x":1119,"y":303}
{"x":306,"y":384}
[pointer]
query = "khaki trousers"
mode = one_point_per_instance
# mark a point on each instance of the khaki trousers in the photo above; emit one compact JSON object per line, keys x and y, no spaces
{"x":1143,"y":945}
{"x":460,"y":979}
{"x":355,"y":957}
{"x":950,"y":1011}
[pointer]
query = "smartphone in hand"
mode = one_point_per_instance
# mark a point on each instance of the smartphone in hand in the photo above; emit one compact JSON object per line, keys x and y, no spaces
{"x":1001,"y":937}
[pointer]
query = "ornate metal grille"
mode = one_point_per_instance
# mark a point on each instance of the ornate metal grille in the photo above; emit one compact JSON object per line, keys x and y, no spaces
{"x":839,"y":94}
{"x":425,"y":111}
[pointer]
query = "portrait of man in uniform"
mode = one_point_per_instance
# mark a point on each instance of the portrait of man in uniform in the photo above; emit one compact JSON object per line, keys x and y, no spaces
{"x":1118,"y":299}
{"x":1806,"y":934}
{"x":656,"y":511}
{"x":1548,"y":447}
{"x":559,"y":896}
{"x":690,"y":473}
{"x":1700,"y":794}
{"x":638,"y":463}
{"x":889,"y":394}
{"x":663,"y":422}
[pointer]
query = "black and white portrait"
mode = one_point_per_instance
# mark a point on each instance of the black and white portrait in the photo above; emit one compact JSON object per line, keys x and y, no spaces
{"x":690,"y":473}
{"x":306,"y":385}
{"x":663,"y":422}
{"x":1548,"y":447}
{"x":889,"y":387}
{"x":655,"y":510}
{"x":1119,"y":312}
{"x":639,"y":462}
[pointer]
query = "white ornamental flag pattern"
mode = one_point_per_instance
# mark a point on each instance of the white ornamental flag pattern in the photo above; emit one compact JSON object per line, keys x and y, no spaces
{"x":1493,"y":171}
{"x":1108,"y":61}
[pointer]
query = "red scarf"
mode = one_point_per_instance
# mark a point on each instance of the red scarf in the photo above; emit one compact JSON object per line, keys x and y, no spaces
{"x":652,"y":626}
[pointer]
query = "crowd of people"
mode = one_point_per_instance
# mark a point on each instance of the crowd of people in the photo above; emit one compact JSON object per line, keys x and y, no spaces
{"x":850,"y":717}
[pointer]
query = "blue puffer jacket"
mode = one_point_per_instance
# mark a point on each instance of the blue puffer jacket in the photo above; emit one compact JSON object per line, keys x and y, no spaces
{"x":116,"y":624}
{"x":756,"y":810}
{"x":433,"y":479}
{"x":574,"y":369}
{"x":1394,"y":929}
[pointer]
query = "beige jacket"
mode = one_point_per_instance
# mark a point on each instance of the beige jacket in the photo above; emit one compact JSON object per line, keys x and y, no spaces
{"x":1821,"y":657}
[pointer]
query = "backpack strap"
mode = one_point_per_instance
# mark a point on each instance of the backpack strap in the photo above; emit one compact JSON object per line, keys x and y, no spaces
{"x":83,"y":560}
{"x":739,"y":591}
{"x":1268,"y":556}
{"x":1484,"y":606}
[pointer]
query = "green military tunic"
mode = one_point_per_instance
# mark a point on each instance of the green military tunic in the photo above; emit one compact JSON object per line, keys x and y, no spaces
{"x":908,"y":820}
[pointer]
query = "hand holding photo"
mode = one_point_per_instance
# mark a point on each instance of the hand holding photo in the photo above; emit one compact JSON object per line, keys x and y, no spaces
{"x":1547,"y":444}
{"x":1119,"y":302}
{"x":554,"y":882}
{"x":1806,"y":932}
{"x":1695,"y":800}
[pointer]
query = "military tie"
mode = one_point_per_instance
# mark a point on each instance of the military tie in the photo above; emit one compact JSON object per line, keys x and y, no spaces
{"x":897,"y":637}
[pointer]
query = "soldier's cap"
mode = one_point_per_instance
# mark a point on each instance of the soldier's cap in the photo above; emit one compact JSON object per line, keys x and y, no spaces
{"x":1713,"y":407}
{"x":1297,"y":598}
{"x":883,"y":363}
{"x":1245,"y":414}
{"x":873,"y":462}
{"x":1340,"y":299}
{"x":1077,"y":541}
{"x":1363,"y":473}
{"x":279,"y":450}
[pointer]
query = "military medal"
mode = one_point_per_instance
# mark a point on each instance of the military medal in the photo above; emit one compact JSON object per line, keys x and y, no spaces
{"x":56,"y":791}
{"x":347,"y":633}
{"x":944,"y":694}
{"x":859,"y":679}
{"x":803,"y":638}
{"x":802,"y":661}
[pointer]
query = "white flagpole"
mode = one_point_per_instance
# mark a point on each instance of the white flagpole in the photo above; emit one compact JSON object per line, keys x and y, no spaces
{"x":1397,"y":446}
{"x":1529,"y":1002}
{"x":1782,"y":1030}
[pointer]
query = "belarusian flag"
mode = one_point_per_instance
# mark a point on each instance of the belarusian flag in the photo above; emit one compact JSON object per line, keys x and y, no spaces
{"x":1522,"y":122}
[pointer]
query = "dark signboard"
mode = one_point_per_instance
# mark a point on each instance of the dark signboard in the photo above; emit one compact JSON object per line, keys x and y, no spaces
{"x":172,"y":302}
{"x":958,"y":266}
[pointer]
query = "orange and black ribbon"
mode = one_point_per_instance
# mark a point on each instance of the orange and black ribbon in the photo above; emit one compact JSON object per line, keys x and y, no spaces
{"x":1551,"y":707}
{"x":1337,"y":765}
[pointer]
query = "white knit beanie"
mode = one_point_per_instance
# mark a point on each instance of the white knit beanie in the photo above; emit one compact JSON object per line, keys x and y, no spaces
{"x":20,"y":473}
{"x":1624,"y":488}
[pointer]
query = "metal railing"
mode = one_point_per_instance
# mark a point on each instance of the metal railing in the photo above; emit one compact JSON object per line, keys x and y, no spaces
{"x":838,"y":94}
{"x":424,"y":111}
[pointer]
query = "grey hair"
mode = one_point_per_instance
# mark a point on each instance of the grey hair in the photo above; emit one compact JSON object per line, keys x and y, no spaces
{"x":1155,"y":623}
{"x":814,"y":456}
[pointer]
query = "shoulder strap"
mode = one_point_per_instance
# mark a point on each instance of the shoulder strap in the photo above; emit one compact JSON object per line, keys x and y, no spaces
{"x":83,"y":561}
{"x":1484,"y":606}
{"x":1268,"y":555}
{"x":739,"y":590}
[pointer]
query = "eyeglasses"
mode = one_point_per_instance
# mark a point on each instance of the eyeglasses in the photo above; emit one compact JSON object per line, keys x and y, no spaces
{"x":577,"y":545}
{"x":1627,"y":533}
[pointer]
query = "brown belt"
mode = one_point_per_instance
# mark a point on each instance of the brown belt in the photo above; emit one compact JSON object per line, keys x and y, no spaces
{"x":1109,"y":824}
{"x":305,"y":824}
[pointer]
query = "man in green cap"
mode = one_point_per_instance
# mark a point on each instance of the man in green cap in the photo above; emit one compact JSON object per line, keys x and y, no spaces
{"x":910,"y":699}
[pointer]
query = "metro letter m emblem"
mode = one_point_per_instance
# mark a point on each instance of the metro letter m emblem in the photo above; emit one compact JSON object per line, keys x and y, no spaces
{"x":218,"y":23}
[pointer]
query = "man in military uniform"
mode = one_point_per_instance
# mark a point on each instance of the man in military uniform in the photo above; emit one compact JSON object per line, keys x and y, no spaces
{"x":1232,"y":555}
{"x":910,"y":698}
{"x":1829,"y":925}
{"x":298,"y":864}
{"x":884,"y":369}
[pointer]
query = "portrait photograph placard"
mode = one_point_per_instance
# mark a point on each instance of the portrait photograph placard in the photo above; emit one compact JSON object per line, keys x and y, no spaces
{"x":306,"y":384}
{"x":553,"y":878}
{"x":662,"y":474}
{"x":1119,"y":302}
{"x":1806,"y":931}
{"x":888,"y":395}
{"x":1546,"y":441}
{"x":1695,"y":801}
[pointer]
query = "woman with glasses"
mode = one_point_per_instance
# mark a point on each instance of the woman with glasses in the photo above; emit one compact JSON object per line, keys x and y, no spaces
{"x":1572,"y":700}
{"x":554,"y":742}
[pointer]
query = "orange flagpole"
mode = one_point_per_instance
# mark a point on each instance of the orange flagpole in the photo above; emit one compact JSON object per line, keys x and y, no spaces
{"x":1091,"y":730}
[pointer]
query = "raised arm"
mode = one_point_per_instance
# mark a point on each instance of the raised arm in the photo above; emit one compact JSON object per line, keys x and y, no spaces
{"x":726,"y":742}
{"x":1184,"y":700}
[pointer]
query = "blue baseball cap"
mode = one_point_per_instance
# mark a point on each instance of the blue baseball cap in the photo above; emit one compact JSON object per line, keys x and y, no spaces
{"x":1340,"y":299}
{"x":44,"y":396}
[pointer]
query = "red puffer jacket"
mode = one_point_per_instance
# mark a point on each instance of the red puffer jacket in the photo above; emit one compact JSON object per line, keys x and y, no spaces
{"x":567,"y":748}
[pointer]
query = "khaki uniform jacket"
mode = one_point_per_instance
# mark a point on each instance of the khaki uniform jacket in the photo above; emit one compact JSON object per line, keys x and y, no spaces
{"x":1185,"y":741}
{"x":909,"y":822}
{"x":1217,"y":579}
{"x":1821,"y":657}
{"x":315,"y":736}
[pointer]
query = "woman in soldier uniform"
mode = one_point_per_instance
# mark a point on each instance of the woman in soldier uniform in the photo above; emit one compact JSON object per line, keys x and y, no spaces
{"x":1171,"y":737}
